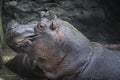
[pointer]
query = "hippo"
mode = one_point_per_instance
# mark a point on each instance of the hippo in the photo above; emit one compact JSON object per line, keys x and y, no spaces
{"x":55,"y":50}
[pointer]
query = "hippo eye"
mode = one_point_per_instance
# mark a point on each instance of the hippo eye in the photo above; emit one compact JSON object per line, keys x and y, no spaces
{"x":40,"y":28}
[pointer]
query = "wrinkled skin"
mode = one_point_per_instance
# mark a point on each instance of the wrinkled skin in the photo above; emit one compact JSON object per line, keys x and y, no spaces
{"x":56,"y":50}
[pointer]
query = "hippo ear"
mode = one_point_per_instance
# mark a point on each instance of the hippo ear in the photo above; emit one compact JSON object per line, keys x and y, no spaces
{"x":53,"y":26}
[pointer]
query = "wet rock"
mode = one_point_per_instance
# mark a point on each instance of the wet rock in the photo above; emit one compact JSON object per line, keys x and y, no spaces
{"x":11,"y":3}
{"x":88,"y":16}
{"x":23,"y":6}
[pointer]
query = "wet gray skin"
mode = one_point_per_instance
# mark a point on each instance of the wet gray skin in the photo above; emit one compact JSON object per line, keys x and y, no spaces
{"x":61,"y":52}
{"x":50,"y":41}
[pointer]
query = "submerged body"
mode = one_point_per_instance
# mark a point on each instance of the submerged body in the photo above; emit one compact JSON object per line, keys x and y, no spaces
{"x":58,"y":51}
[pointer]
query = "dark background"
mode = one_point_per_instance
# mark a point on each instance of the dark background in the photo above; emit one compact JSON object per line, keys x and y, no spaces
{"x":99,"y":20}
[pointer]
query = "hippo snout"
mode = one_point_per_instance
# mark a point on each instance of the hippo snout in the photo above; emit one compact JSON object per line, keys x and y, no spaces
{"x":19,"y":37}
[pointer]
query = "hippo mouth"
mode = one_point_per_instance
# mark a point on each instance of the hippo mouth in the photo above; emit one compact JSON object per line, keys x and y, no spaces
{"x":25,"y":41}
